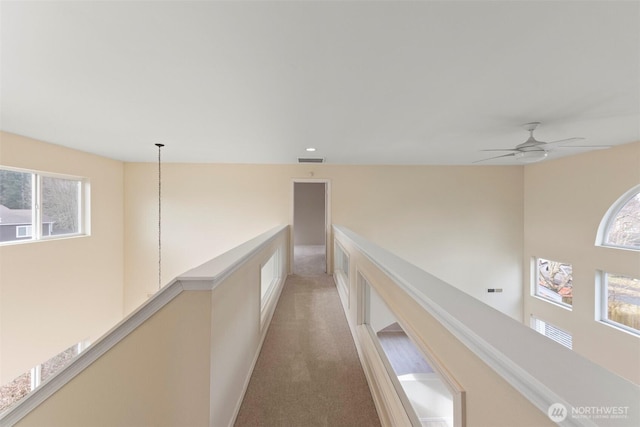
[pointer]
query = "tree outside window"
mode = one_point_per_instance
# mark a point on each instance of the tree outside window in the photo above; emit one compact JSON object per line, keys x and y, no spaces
{"x":555,"y":281}
{"x":623,"y":301}
{"x":624,"y":228}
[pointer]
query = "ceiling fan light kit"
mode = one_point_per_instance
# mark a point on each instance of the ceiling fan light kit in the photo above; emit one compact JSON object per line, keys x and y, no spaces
{"x":531,"y":156}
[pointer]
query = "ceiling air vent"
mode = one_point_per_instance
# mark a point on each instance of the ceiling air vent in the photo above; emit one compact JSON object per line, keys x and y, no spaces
{"x":310,"y":159}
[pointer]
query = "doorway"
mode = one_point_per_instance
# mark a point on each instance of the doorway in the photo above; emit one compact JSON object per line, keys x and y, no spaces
{"x":310,"y":227}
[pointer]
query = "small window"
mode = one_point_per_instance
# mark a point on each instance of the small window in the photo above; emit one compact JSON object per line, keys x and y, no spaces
{"x":269,"y":277}
{"x":554,"y":281}
{"x":427,"y":399}
{"x":620,"y":227}
{"x":341,"y":271}
{"x":16,"y":205}
{"x":342,"y":261}
{"x":60,"y":206}
{"x":621,"y":302}
{"x":15,"y":390}
{"x":553,"y":332}
{"x":35,"y":205}
{"x":23,"y":231}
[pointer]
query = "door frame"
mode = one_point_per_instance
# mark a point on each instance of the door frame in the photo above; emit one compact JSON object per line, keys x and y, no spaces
{"x":327,"y":219}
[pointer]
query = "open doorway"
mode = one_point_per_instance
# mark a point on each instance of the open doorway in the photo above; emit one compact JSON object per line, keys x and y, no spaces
{"x":310,"y":227}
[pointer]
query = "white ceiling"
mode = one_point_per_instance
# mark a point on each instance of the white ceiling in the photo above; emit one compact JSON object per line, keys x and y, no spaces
{"x":365,"y":82}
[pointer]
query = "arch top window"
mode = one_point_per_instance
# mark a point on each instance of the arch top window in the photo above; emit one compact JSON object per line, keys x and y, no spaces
{"x":620,"y":227}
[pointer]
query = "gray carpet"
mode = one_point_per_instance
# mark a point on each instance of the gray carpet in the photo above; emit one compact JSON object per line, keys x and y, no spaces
{"x":309,"y":260}
{"x":308,"y":372}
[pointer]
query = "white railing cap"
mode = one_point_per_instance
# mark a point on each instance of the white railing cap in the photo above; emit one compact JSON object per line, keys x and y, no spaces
{"x":516,"y":352}
{"x":204,"y":277}
{"x":217,"y":269}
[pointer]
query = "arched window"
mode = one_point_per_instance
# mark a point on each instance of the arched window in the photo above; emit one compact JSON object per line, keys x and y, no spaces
{"x":620,"y":227}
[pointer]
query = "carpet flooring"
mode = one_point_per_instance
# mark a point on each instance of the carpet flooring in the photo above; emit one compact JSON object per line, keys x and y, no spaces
{"x":308,"y":373}
{"x":309,"y":260}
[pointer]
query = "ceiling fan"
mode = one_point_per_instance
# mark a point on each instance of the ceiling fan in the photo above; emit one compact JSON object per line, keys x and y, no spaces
{"x":532,"y":150}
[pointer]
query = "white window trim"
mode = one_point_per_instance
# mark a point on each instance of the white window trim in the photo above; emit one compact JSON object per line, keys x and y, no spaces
{"x":602,"y":305}
{"x":271,"y":291}
{"x":28,"y":231}
{"x":36,"y":371}
{"x":267,"y":289}
{"x":36,"y":211}
{"x":534,"y":285}
{"x":610,"y":216}
{"x":36,"y":376}
{"x":340,"y":273}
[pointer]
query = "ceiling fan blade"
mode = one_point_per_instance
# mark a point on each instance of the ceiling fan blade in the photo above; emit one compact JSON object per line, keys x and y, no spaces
{"x":501,"y":149}
{"x":564,"y":141}
{"x":590,"y":147}
{"x":496,"y":157}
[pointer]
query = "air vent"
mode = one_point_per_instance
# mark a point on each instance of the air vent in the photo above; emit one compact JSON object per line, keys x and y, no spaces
{"x":310,"y":159}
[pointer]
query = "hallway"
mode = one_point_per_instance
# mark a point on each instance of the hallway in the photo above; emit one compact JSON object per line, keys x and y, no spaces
{"x":308,"y":372}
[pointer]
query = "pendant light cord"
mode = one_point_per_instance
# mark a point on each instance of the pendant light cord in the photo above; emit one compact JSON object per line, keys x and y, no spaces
{"x":159,"y":216}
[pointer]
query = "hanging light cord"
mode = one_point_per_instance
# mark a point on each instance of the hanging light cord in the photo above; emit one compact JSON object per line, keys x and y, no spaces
{"x":159,"y":217}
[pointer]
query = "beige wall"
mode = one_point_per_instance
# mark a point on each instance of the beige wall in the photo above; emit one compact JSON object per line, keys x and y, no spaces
{"x":462,"y":224}
{"x":206,"y":210}
{"x":56,"y":293}
{"x":565,"y":200}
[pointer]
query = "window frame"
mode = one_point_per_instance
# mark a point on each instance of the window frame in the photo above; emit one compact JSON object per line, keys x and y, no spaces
{"x":34,"y":376}
{"x":602,"y":306}
{"x":341,"y":270}
{"x":28,"y":231}
{"x":610,"y":216}
{"x":37,"y":229}
{"x":270,"y":279}
{"x":536,"y":278}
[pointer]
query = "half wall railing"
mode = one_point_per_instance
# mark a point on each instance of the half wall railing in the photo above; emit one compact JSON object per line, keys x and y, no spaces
{"x":184,"y":357}
{"x":499,"y":372}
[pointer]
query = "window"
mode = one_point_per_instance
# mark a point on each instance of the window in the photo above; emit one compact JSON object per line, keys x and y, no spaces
{"x":269,"y":277}
{"x":15,"y":390}
{"x":554,"y":281}
{"x":553,"y":332}
{"x":426,"y":398}
{"x":60,"y":206}
{"x":620,"y":226}
{"x":35,"y":205}
{"x":341,"y":271}
{"x":341,"y":260}
{"x":620,"y":296}
{"x":23,"y":231}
